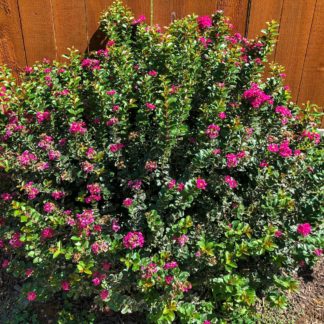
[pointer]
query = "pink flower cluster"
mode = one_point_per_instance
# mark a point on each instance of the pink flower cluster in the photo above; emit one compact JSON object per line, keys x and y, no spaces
{"x":43,"y":116}
{"x":57,"y":195}
{"x":116,"y":147}
{"x":204,"y":22}
{"x":141,"y":19}
{"x":127,"y":202}
{"x":86,"y":218}
{"x":149,"y":270}
{"x":15,"y":241}
{"x":205,"y":41}
{"x":150,"y":106}
{"x":304,"y":229}
{"x":47,"y":233}
{"x":133,"y":240}
{"x":31,"y":191}
{"x":49,"y":207}
{"x":212,"y":131}
{"x":201,"y":184}
{"x":78,"y":128}
{"x":95,"y":193}
{"x":283,"y":149}
{"x":27,"y":158}
{"x":231,"y":182}
{"x":135,"y":184}
{"x":173,"y":183}
{"x":92,"y":64}
{"x":313,"y":136}
{"x":233,"y":159}
{"x":256,"y":97}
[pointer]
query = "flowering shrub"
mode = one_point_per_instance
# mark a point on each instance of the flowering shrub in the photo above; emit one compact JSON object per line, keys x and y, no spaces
{"x":159,"y":175}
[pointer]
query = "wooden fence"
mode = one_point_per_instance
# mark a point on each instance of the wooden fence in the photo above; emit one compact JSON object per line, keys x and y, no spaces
{"x":33,"y":29}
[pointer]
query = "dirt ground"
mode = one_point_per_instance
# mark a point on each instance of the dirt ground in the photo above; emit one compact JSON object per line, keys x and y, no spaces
{"x":306,"y":306}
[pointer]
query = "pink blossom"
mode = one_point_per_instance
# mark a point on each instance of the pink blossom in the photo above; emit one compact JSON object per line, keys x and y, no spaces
{"x":87,"y":167}
{"x":284,"y":149}
{"x":150,"y":166}
{"x":26,"y":158}
{"x":217,"y":151}
{"x":65,"y":285}
{"x":273,"y":148}
{"x":106,"y":266}
{"x":212,"y":131}
{"x":133,"y":239}
{"x":31,"y":295}
{"x":104,"y":294}
{"x":231,"y":182}
{"x":112,"y":121}
{"x":57,"y":195}
{"x":28,"y":70}
{"x":297,"y":152}
{"x":222,"y":115}
{"x":256,"y":97}
{"x":92,"y":64}
{"x":6,"y":196}
{"x":54,"y":155}
{"x":135,"y":184}
{"x":150,"y":106}
{"x":149,"y":270}
{"x":170,"y":265}
{"x":205,"y":41}
{"x":94,"y":189}
{"x":232,"y":160}
{"x":127,"y":202}
{"x":168,"y":280}
{"x":115,"y":226}
{"x":95,"y":247}
{"x":181,"y":186}
{"x":139,"y":20}
{"x":78,"y":128}
{"x":86,"y":218}
{"x":43,"y":116}
{"x":152,"y":73}
{"x":96,"y":281}
{"x":263,"y":164}
{"x":111,"y":92}
{"x":182,"y":240}
{"x":313,"y":136}
{"x":90,"y":153}
{"x":283,"y":111}
{"x":115,"y":108}
{"x":5,"y":263}
{"x":15,"y":241}
{"x":204,"y":22}
{"x":201,"y":184}
{"x":172,"y":183}
{"x":318,"y":252}
{"x":304,"y":229}
{"x":47,"y":233}
{"x":49,"y":207}
{"x":278,"y":233}
{"x":115,"y":147}
{"x":41,"y":166}
{"x":207,"y":322}
{"x":30,"y":190}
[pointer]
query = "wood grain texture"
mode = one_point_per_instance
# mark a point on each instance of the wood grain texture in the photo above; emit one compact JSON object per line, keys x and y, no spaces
{"x":261,"y":12}
{"x":140,"y":7}
{"x":70,"y":25}
{"x":12,"y":51}
{"x":312,"y":84}
{"x":165,"y":11}
{"x":38,"y":29}
{"x":237,"y":11}
{"x":295,"y":28}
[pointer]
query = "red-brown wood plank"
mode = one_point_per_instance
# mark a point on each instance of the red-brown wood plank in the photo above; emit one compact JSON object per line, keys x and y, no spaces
{"x":296,"y":21}
{"x":38,"y":29}
{"x":140,"y":7}
{"x":12,"y":51}
{"x":166,"y":11}
{"x":312,"y":84}
{"x":70,"y":25}
{"x":237,"y":11}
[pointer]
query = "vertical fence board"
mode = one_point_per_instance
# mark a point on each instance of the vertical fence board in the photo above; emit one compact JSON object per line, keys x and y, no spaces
{"x":12,"y":51}
{"x":312,"y":84}
{"x":296,"y":21}
{"x":166,"y":11}
{"x":237,"y":11}
{"x":38,"y":29}
{"x":70,"y":25}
